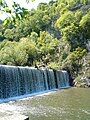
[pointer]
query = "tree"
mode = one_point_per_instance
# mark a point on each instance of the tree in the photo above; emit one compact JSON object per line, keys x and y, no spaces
{"x":47,"y":46}
{"x":73,"y":62}
{"x":85,"y":26}
{"x":65,"y":20}
{"x":11,"y":54}
{"x":27,"y":45}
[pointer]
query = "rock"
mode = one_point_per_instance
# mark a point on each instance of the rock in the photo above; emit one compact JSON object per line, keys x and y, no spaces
{"x":88,"y":82}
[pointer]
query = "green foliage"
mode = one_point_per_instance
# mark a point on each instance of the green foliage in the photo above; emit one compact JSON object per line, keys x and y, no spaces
{"x":28,"y":46}
{"x":17,"y":53}
{"x":47,"y":46}
{"x":85,"y":25}
{"x":34,"y":37}
{"x":65,"y":20}
{"x":74,"y":3}
{"x":55,"y":34}
{"x":54,"y":65}
{"x":73,"y":62}
{"x":12,"y":54}
{"x":9,"y":34}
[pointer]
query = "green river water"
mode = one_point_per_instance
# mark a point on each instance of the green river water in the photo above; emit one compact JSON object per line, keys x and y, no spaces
{"x":66,"y":104}
{"x":70,"y":104}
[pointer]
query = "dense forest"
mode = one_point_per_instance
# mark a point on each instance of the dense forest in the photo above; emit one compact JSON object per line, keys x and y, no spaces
{"x":55,"y":35}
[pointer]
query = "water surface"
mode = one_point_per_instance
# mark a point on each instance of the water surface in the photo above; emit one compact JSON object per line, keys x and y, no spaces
{"x":71,"y":104}
{"x":68,"y":104}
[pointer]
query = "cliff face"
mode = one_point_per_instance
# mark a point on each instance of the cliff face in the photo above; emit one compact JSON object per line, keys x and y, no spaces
{"x":83,"y":79}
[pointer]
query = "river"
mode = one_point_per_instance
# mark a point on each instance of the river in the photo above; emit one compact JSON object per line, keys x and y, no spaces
{"x":66,"y":104}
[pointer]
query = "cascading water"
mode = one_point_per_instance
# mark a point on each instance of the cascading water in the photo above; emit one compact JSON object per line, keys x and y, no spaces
{"x":17,"y":81}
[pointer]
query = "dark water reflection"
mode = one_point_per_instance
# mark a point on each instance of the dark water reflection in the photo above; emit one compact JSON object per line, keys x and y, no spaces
{"x":70,"y":104}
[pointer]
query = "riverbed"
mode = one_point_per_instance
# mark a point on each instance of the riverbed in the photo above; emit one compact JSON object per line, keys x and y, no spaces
{"x":64,"y":104}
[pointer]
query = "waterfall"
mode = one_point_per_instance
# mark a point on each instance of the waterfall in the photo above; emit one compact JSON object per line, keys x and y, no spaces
{"x":17,"y":81}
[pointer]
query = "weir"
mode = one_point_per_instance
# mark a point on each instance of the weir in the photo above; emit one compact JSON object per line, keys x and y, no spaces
{"x":18,"y":81}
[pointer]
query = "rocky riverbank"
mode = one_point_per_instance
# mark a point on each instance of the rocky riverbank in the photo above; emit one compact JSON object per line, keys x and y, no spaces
{"x":82,"y":82}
